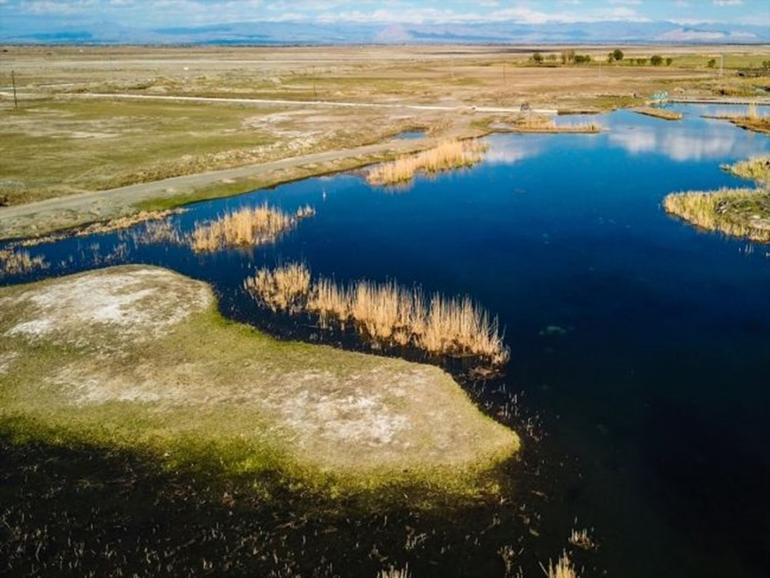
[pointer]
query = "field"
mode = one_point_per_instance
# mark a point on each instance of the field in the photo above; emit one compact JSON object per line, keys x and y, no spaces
{"x":101,"y":118}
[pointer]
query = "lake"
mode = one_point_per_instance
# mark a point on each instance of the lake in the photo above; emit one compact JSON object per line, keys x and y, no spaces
{"x":639,"y":344}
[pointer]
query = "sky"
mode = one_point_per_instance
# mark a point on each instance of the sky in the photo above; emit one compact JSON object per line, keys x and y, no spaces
{"x":55,"y":14}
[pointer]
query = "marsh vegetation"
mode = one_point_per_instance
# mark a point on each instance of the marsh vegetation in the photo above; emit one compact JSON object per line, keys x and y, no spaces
{"x":450,"y":154}
{"x":384,"y":313}
{"x":246,"y":227}
{"x":538,"y":123}
{"x":661,"y":113}
{"x":16,"y":261}
{"x":754,"y":169}
{"x":741,"y":213}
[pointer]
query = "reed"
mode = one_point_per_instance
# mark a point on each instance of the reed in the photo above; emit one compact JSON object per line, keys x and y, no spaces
{"x":755,"y":169}
{"x":562,"y":569}
{"x":17,"y":261}
{"x":582,"y":539}
{"x":543,"y":124}
{"x":447,"y":155}
{"x":741,"y":213}
{"x":247,"y":227}
{"x":281,"y":289}
{"x":661,"y":113}
{"x":385,"y":313}
{"x":393,"y":572}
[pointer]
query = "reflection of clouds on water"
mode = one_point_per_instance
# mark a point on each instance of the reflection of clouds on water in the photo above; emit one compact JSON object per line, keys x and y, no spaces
{"x":682,"y":144}
{"x":509,"y":151}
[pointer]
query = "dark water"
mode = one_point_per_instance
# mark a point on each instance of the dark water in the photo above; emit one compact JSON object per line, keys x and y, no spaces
{"x":654,"y":377}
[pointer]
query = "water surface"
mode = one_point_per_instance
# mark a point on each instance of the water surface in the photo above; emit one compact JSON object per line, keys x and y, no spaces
{"x":642,"y":343}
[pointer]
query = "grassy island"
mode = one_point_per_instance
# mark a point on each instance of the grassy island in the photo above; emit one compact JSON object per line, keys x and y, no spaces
{"x":661,"y":113}
{"x":138,"y":359}
{"x":741,"y":213}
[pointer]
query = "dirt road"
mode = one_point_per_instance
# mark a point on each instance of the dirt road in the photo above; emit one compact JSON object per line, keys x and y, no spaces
{"x":73,"y":210}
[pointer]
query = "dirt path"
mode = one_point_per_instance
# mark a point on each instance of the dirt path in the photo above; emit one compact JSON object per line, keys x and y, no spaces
{"x":301,"y":103}
{"x":74,"y":210}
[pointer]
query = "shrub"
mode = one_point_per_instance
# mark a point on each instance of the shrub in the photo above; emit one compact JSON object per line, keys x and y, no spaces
{"x":582,"y":58}
{"x":537,"y":58}
{"x":656,"y":60}
{"x":617,"y":54}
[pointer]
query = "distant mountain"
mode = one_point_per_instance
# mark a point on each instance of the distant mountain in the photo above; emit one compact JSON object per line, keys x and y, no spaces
{"x":272,"y":33}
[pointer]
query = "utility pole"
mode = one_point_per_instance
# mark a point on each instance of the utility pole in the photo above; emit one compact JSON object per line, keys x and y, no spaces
{"x":13,"y":82}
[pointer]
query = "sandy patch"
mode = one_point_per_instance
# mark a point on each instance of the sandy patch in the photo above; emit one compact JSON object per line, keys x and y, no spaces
{"x":136,"y":303}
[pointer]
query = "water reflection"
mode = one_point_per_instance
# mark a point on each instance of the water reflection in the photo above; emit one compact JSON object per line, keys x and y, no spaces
{"x":712,"y":140}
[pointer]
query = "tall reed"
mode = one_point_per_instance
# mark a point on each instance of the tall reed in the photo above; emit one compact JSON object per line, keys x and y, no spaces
{"x":16,"y":261}
{"x":247,"y":227}
{"x":735,"y":212}
{"x":281,"y":289}
{"x":385,"y":313}
{"x":447,"y":155}
{"x":562,"y":569}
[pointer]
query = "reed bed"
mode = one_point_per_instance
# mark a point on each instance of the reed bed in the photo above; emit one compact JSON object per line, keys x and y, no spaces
{"x":385,"y":313}
{"x":755,"y":169}
{"x":661,"y":113}
{"x":17,"y":261}
{"x":447,"y":155}
{"x":281,"y":289}
{"x":543,"y":124}
{"x":562,"y":569}
{"x":752,"y":120}
{"x":741,"y":213}
{"x":247,"y":227}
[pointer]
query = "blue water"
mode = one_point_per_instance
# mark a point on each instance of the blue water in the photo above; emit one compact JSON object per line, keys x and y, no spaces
{"x":657,"y":389}
{"x":410,"y":135}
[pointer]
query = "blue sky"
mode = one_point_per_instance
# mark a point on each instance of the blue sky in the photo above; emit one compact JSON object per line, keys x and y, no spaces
{"x":152,"y":13}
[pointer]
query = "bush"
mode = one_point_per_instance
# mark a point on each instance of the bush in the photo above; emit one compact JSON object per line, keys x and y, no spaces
{"x":656,"y":60}
{"x":712,"y":63}
{"x":582,"y":58}
{"x":617,"y":54}
{"x":537,"y":58}
{"x":669,"y":61}
{"x":641,"y":61}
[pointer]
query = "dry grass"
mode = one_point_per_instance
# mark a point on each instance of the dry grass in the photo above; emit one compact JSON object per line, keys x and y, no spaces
{"x":661,"y":113}
{"x":752,"y":120}
{"x":385,"y":313}
{"x":281,"y":289}
{"x":582,"y":539}
{"x":394,"y":572}
{"x":247,"y":227}
{"x":562,"y":569}
{"x":16,"y":261}
{"x":448,"y":155}
{"x":537,"y":123}
{"x":755,"y":169}
{"x":741,"y":213}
